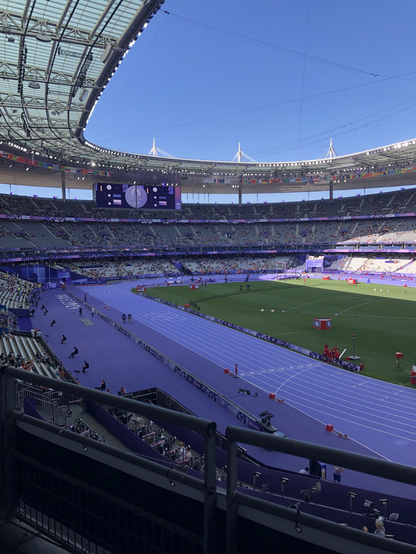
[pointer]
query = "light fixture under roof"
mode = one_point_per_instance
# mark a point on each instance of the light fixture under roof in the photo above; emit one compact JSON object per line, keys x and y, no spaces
{"x":43,"y":38}
{"x":84,"y":95}
{"x":34,"y":85}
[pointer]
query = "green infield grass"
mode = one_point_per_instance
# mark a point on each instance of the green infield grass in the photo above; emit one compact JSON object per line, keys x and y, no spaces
{"x":383,"y":318}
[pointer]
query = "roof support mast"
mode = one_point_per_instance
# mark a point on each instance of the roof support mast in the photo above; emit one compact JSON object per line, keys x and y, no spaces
{"x":155,"y":151}
{"x":331,"y":153}
{"x":241,"y":156}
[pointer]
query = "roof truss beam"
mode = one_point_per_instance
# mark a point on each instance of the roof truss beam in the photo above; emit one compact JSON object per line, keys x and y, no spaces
{"x":13,"y":101}
{"x":32,"y":73}
{"x":13,"y":25}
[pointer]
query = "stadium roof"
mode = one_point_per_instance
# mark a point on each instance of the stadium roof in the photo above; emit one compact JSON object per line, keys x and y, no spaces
{"x":56,"y":58}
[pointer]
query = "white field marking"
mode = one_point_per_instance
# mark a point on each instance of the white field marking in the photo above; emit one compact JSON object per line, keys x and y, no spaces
{"x":349,"y":436}
{"x":316,"y":302}
{"x":397,"y":410}
{"x":363,"y":304}
{"x":362,"y":315}
{"x":384,"y":316}
{"x":270,"y":358}
{"x":380,"y":387}
{"x":156,"y":316}
{"x":265,"y":371}
{"x":267,"y":380}
{"x":251,"y":357}
{"x":220,"y":362}
{"x":177,"y":335}
{"x":222,"y":350}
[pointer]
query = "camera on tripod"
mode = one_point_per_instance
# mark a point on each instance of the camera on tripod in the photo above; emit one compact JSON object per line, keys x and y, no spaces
{"x":266,"y":416}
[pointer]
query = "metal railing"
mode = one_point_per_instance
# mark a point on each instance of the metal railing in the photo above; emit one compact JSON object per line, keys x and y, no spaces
{"x":10,"y":417}
{"x":54,"y":406}
{"x":238,"y":504}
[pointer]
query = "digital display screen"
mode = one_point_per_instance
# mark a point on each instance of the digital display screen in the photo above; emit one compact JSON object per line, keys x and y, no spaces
{"x":139,"y":197}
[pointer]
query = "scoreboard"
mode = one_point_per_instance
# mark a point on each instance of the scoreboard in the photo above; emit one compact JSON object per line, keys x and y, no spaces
{"x":140,"y":197}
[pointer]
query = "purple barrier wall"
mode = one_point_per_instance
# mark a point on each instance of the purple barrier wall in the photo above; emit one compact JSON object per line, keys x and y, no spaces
{"x":29,"y":406}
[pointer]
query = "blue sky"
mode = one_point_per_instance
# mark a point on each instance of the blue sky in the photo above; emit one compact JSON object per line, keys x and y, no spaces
{"x":280,"y":77}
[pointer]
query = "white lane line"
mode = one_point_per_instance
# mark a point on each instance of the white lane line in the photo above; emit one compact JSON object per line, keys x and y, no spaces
{"x":353,"y":409}
{"x":376,"y":429}
{"x":401,"y":419}
{"x":228,"y":344}
{"x":244,"y":349}
{"x":292,"y":377}
{"x":340,"y":414}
